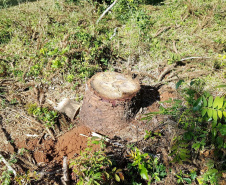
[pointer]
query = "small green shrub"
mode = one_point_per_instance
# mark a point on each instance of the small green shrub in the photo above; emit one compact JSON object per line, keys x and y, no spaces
{"x":211,"y":176}
{"x":94,"y":167}
{"x":186,"y":178}
{"x":44,"y":114}
{"x":146,"y":166}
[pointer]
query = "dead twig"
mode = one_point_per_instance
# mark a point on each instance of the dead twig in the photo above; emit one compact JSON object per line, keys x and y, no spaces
{"x":189,"y":58}
{"x":115,"y":30}
{"x":174,"y":47}
{"x":170,"y":68}
{"x":162,"y":30}
{"x":50,"y":133}
{"x":109,"y":8}
{"x":167,"y":70}
{"x":27,"y":163}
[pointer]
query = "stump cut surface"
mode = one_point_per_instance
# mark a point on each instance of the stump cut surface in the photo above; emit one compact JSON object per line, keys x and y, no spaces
{"x":112,"y":85}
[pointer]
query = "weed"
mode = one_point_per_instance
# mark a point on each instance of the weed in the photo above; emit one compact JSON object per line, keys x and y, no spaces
{"x":147,"y":167}
{"x":26,"y":178}
{"x":6,"y":177}
{"x":44,"y":114}
{"x":186,"y":178}
{"x":94,"y":167}
{"x":211,"y":175}
{"x":150,"y":134}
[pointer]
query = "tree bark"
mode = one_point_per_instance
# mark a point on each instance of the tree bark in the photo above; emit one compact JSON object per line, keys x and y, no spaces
{"x":107,"y":105}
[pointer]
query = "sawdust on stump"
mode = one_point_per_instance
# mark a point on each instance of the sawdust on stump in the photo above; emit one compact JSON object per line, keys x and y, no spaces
{"x":107,"y":105}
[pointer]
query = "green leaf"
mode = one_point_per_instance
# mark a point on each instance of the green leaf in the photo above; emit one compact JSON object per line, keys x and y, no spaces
{"x":210,"y":101}
{"x":179,"y":83}
{"x":215,"y":102}
{"x":218,"y":102}
{"x":95,"y":182}
{"x":210,"y":113}
{"x":204,"y":101}
{"x":96,"y":142}
{"x":220,"y":86}
{"x":214,"y":131}
{"x":144,"y":172}
{"x":214,"y":124}
{"x":220,"y":141}
{"x":204,"y":110}
{"x":101,"y":158}
{"x":156,"y":177}
{"x":118,"y":170}
{"x":215,"y":115}
{"x":117,"y":178}
{"x":188,"y":180}
{"x":192,"y":82}
{"x":97,"y":176}
{"x":224,"y":113}
{"x":196,"y":146}
{"x":221,"y":102}
{"x":198,"y":104}
{"x":219,"y":114}
{"x":107,"y":175}
{"x":193,"y":175}
{"x":114,"y":169}
{"x":222,"y":130}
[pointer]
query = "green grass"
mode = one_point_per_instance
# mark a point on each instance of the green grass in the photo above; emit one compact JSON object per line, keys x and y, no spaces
{"x":48,"y":37}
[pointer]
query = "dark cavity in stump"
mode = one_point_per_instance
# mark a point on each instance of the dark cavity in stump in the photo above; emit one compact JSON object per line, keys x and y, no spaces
{"x":108,"y":103}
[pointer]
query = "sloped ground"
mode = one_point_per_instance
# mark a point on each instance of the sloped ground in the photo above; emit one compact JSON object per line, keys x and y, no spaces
{"x":48,"y":49}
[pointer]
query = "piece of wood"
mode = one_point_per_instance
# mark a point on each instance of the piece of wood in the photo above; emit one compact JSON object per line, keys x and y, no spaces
{"x":65,"y":179}
{"x":69,"y":107}
{"x":108,"y":102}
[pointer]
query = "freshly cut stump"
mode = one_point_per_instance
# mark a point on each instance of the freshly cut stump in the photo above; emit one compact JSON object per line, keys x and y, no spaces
{"x":107,"y":105}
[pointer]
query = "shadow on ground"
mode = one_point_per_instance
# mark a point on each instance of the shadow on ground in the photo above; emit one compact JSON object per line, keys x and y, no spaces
{"x":8,"y":3}
{"x":145,"y":98}
{"x":154,"y":2}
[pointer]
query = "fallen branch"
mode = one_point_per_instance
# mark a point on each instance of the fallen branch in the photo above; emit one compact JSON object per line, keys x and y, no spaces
{"x":2,"y":159}
{"x":170,"y":68}
{"x":109,"y":8}
{"x":167,"y":70}
{"x":65,"y":179}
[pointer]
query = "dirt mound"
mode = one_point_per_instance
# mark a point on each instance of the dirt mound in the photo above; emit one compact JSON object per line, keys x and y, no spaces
{"x":47,"y":150}
{"x":72,"y":142}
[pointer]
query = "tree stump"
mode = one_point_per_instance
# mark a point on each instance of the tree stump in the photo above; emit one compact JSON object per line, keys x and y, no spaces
{"x":107,"y":105}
